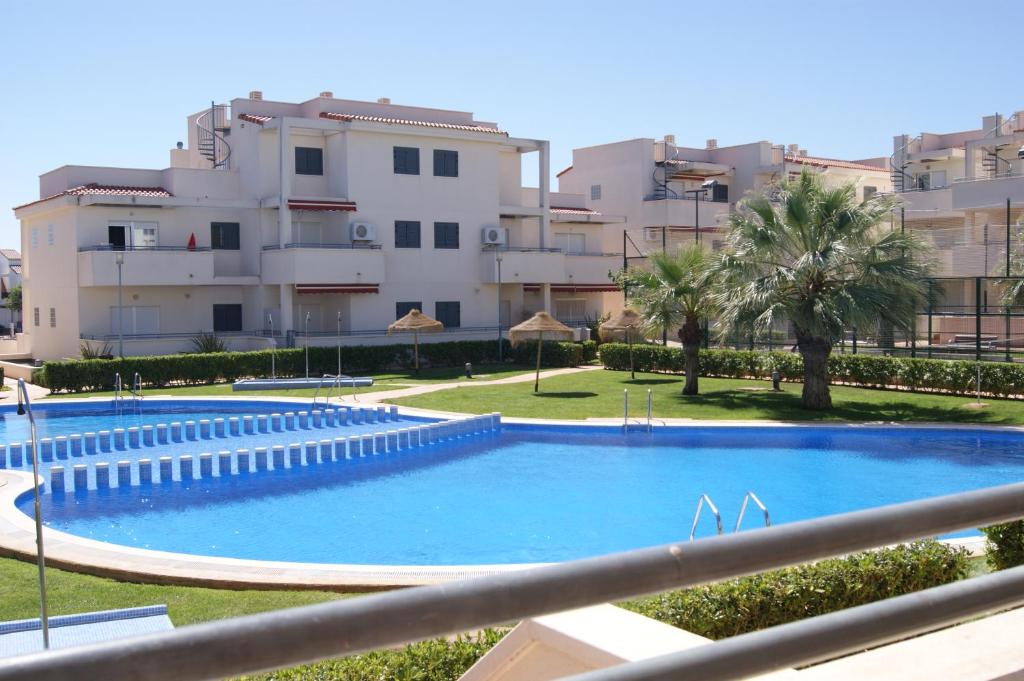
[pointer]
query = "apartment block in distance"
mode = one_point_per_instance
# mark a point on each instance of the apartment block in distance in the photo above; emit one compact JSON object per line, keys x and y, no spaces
{"x":963,"y":193}
{"x":296,"y":222}
{"x":674,"y":194}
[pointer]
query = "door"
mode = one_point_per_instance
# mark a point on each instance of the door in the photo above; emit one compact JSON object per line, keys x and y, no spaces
{"x":116,"y":237}
{"x":569,"y":242}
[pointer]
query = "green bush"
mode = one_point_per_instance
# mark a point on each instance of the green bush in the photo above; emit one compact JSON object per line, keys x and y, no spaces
{"x":874,"y":371}
{"x":1004,"y":545}
{"x":589,"y":349}
{"x":553,"y":354}
{"x":772,"y":598}
{"x":436,"y":660}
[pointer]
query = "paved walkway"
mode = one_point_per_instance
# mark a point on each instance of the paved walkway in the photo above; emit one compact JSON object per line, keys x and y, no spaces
{"x":378,"y":396}
{"x":35,"y":392}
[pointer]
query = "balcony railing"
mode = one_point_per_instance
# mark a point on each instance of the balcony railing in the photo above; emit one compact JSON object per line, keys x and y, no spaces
{"x":300,"y":635}
{"x":144,"y":249}
{"x":348,"y":247}
{"x":519,"y":249}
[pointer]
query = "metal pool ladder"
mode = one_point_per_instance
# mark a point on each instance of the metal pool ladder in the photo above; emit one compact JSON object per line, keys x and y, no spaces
{"x":743,"y":509}
{"x":137,"y":392}
{"x":336,"y":382}
{"x":704,"y":498}
{"x":118,"y":390}
{"x":625,"y":410}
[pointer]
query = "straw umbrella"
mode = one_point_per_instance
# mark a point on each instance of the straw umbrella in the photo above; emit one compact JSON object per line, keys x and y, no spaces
{"x":535,"y":327}
{"x":415,"y":322}
{"x":623,"y":324}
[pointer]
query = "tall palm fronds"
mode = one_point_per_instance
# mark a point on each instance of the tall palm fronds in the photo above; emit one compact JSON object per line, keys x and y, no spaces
{"x":816,"y":257}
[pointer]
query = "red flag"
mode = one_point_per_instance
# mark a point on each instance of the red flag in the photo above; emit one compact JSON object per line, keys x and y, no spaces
{"x":192,"y":242}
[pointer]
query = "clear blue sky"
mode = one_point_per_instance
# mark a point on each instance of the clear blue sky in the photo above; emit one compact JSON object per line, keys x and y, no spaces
{"x":110,"y":83}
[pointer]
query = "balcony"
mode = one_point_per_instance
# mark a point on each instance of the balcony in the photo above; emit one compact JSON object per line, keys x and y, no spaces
{"x":155,"y":266}
{"x":937,"y":203}
{"x":681,"y":212}
{"x":591,"y":268}
{"x":988,"y":192}
{"x":523,"y":266}
{"x":301,"y":263}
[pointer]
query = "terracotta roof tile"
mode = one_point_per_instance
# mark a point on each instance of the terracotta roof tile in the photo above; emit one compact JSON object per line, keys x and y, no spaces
{"x":832,"y":163}
{"x":560,"y":210}
{"x":345,"y":117}
{"x":563,"y":171}
{"x":94,"y":189}
{"x":10,"y":253}
{"x":254,"y":118}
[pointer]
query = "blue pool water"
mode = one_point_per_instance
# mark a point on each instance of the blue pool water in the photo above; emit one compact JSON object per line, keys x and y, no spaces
{"x":537,"y":494}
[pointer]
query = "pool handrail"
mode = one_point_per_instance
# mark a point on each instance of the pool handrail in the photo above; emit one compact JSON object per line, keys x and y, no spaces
{"x":137,"y":392}
{"x":284,"y":638}
{"x":743,"y":509}
{"x":25,"y":408}
{"x":335,"y":382}
{"x":118,"y":390}
{"x":704,"y":498}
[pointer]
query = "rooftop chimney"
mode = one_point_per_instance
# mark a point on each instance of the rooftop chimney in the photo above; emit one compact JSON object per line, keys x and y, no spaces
{"x":712,"y":143}
{"x":256,"y":95}
{"x":383,"y":100}
{"x":328,"y":94}
{"x":793,"y":149}
{"x":670,"y":139}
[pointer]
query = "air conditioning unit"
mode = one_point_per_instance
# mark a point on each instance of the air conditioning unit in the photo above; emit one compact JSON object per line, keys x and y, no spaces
{"x":362,"y":231}
{"x":494,"y":236}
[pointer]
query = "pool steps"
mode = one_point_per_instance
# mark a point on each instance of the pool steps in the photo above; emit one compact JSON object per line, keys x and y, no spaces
{"x":16,"y":454}
{"x":262,"y":459}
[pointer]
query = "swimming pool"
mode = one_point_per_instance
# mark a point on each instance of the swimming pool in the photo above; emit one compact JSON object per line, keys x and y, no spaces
{"x":535,"y":493}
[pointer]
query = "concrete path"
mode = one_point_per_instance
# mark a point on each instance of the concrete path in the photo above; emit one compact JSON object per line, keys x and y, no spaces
{"x":434,"y":387}
{"x":35,"y":392}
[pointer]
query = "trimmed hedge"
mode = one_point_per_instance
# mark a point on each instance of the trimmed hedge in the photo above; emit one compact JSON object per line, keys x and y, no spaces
{"x":197,"y":369}
{"x":436,"y":660}
{"x":772,"y":598}
{"x":1004,"y":545}
{"x":872,"y":371}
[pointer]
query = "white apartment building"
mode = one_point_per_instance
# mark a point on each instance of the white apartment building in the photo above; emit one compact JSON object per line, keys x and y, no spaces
{"x":964,"y":193}
{"x":10,"y":277}
{"x":680,"y":194}
{"x":306,"y":218}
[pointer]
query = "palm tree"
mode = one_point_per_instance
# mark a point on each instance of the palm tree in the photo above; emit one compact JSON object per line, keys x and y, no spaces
{"x":817,"y":258}
{"x":675,"y":292}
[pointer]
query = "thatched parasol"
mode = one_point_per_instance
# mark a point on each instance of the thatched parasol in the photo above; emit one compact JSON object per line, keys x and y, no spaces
{"x":535,"y":327}
{"x":415,"y":322}
{"x":625,"y":324}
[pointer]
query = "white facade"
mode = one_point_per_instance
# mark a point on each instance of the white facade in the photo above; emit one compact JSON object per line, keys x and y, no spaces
{"x":660,"y":187}
{"x":10,"y":277}
{"x":295,"y":216}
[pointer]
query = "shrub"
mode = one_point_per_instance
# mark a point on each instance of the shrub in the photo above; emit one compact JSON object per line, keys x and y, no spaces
{"x":1004,"y":545}
{"x":772,"y":598}
{"x":203,"y":343}
{"x":89,"y":352}
{"x":873,"y":371}
{"x":589,"y":349}
{"x":439,"y":659}
{"x":553,"y":354}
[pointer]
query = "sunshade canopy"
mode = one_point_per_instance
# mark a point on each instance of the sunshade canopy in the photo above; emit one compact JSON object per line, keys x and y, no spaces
{"x":621,"y":323}
{"x":540,"y":323}
{"x":415,"y":322}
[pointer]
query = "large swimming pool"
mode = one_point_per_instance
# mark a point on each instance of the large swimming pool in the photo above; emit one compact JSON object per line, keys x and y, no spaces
{"x":538,"y":493}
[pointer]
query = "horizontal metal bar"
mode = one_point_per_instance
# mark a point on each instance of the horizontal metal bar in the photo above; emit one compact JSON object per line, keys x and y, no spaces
{"x":827,"y":636}
{"x":299,"y":635}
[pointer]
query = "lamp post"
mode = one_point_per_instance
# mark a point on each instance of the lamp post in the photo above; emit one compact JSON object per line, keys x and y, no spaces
{"x":273,"y":348}
{"x":306,"y":343}
{"x":25,"y":407}
{"x":339,"y":343}
{"x":497,"y":259}
{"x":703,"y":191}
{"x":119,"y":259}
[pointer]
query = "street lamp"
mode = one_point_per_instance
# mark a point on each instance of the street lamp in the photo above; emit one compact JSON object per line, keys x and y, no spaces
{"x":306,"y":341}
{"x":273,"y":348}
{"x":703,"y":191}
{"x":339,"y":344}
{"x":497,"y":259}
{"x":119,"y":259}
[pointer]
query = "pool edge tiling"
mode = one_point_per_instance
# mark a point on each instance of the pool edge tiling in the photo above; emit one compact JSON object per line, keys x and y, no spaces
{"x":17,"y":539}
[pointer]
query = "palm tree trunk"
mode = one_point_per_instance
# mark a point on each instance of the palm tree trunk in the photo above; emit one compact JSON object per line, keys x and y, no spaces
{"x":815,"y":351}
{"x":690,"y":335}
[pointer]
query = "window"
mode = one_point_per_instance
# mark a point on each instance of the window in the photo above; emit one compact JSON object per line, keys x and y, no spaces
{"x":573,"y":244}
{"x":595,"y":192}
{"x":132,"y":235}
{"x":225,"y":236}
{"x":35,"y":316}
{"x":138,"y":319}
{"x":311,"y":233}
{"x":35,"y":238}
{"x":447,"y":312}
{"x":571,"y":310}
{"x":49,"y":235}
{"x":446,"y":235}
{"x":446,"y":163}
{"x":407,"y":161}
{"x":53,"y":318}
{"x":402,"y":308}
{"x":869,"y":191}
{"x":227,"y":317}
{"x":720,"y":193}
{"x":309,"y":161}
{"x":407,"y":234}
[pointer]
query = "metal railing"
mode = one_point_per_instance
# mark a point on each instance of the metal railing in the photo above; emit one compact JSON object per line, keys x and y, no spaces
{"x":301,"y":635}
{"x":336,"y":382}
{"x":121,"y":249}
{"x":750,"y":496}
{"x":339,"y":246}
{"x":705,"y":499}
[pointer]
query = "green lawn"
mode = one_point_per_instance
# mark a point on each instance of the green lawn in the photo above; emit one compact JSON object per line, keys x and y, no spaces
{"x":69,"y":593}
{"x":599,"y":394}
{"x":382,"y":381}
